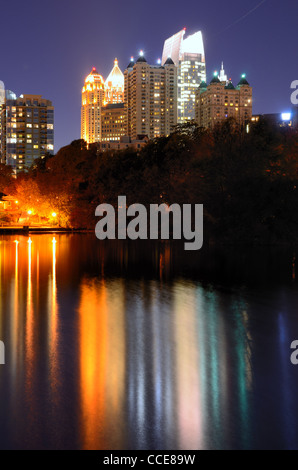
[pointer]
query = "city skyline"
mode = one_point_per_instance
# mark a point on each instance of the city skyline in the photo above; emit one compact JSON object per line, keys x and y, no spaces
{"x":58,"y":68}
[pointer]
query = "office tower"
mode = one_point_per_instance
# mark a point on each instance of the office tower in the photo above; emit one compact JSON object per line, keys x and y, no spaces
{"x":173,"y":47}
{"x":189,"y":56}
{"x":27,"y":125}
{"x":2,"y":102}
{"x":113,"y":122}
{"x":2,"y":93}
{"x":220,"y":100}
{"x":114,"y":86}
{"x":10,"y":95}
{"x":93,"y":96}
{"x":150,"y":95}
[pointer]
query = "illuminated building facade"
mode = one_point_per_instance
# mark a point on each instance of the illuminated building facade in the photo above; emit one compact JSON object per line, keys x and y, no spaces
{"x":124,"y":143}
{"x":27,"y":130}
{"x":114,"y":86}
{"x":113,"y":122}
{"x":189,"y":56}
{"x":221,"y":100}
{"x":150,"y":95}
{"x":2,"y":103}
{"x":93,"y":97}
{"x":2,"y":93}
{"x":222,"y":75}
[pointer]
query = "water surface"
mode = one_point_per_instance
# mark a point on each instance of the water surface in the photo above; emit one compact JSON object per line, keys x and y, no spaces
{"x":145,"y":346}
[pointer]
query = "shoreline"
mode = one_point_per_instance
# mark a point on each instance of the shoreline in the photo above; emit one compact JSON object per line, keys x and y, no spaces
{"x":26,"y":230}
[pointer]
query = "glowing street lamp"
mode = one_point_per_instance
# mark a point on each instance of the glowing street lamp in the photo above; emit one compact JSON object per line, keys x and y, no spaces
{"x":29,"y":212}
{"x":54,"y":214}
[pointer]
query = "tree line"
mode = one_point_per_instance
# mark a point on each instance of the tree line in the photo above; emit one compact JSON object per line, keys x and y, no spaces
{"x":248,"y":182}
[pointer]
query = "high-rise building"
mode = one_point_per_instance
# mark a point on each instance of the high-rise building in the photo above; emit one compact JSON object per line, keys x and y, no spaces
{"x":2,"y":93}
{"x":173,"y":48}
{"x":2,"y":103}
{"x":189,"y":56}
{"x":93,"y":97}
{"x":221,"y":100}
{"x":150,"y":95}
{"x":113,"y":122}
{"x":114,"y":86}
{"x":113,"y":116}
{"x":27,"y":130}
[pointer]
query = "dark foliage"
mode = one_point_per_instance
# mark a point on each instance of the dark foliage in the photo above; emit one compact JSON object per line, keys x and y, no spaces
{"x":248,"y":183}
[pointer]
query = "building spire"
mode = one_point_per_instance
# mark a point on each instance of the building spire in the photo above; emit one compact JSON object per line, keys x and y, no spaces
{"x":114,"y":85}
{"x":222,"y":76}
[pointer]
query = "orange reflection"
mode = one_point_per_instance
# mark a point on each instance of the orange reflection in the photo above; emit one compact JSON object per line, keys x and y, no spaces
{"x":14,"y":320}
{"x":189,"y":401}
{"x":30,"y":311}
{"x":102,"y":354}
{"x":53,"y":320}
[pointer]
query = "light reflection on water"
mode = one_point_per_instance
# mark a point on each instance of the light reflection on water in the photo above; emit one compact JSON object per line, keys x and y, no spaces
{"x":113,"y":346}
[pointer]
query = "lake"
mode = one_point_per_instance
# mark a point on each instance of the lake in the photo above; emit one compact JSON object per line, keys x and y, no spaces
{"x":141,"y":345}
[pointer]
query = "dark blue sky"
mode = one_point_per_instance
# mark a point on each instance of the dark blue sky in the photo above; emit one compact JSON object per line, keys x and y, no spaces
{"x":48,"y":47}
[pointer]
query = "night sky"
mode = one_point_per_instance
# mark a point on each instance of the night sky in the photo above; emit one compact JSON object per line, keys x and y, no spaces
{"x":48,"y":47}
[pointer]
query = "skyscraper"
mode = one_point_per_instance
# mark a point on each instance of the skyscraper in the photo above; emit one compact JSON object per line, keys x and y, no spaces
{"x":2,"y":102}
{"x":114,"y":86}
{"x":113,"y":122}
{"x":2,"y":93}
{"x":93,"y":97}
{"x":172,"y":48}
{"x":150,"y":95}
{"x":189,"y":56}
{"x":221,"y":100}
{"x":27,"y":130}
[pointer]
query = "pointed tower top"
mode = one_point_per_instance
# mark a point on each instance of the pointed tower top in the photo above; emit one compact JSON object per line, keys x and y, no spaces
{"x":222,"y":76}
{"x":116,"y":77}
